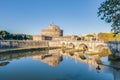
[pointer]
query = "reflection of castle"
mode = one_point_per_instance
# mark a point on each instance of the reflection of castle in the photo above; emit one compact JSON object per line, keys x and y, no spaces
{"x":55,"y":57}
{"x":50,"y":59}
{"x":53,"y":32}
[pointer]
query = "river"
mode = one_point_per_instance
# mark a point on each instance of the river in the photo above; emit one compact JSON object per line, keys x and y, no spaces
{"x":54,"y":65}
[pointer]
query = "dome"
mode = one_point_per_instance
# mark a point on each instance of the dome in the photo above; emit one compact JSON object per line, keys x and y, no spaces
{"x":53,"y":27}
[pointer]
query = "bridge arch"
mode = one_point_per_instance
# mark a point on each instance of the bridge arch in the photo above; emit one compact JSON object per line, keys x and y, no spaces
{"x":82,"y":46}
{"x":100,"y":47}
{"x":71,"y":45}
{"x":63,"y":44}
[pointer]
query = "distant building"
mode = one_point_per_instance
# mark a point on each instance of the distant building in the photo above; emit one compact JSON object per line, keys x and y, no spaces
{"x":65,"y":38}
{"x":53,"y":32}
{"x":49,"y":33}
{"x":41,"y":37}
{"x":90,"y":37}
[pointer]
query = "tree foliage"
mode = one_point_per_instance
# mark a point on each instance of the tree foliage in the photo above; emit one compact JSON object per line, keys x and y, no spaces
{"x":110,"y":12}
{"x":77,"y":37}
{"x":8,"y":36}
{"x":90,"y":35}
{"x":5,"y":34}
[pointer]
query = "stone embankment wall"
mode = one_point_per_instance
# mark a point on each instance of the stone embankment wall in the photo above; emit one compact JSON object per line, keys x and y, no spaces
{"x":27,"y":44}
{"x":55,"y":44}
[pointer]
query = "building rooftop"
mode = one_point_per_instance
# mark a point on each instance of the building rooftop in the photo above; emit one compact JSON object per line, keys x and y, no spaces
{"x":53,"y":27}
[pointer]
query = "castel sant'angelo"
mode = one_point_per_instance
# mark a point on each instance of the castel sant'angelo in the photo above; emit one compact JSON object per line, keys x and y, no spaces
{"x":53,"y":32}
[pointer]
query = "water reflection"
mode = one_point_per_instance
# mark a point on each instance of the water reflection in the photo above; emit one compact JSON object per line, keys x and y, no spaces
{"x":116,"y":74}
{"x":50,"y":59}
{"x":56,"y":59}
{"x":5,"y":57}
{"x":4,"y":64}
{"x":91,"y":60}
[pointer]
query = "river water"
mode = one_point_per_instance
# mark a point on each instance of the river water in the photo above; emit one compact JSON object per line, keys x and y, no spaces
{"x":54,"y":65}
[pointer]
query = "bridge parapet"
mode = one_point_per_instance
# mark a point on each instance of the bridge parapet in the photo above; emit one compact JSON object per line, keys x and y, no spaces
{"x":91,"y":45}
{"x":21,"y":44}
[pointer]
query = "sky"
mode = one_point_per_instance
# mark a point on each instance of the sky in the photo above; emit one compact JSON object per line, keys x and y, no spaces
{"x":75,"y":17}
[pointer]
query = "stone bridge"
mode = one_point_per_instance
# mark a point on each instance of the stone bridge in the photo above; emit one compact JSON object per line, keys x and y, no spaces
{"x":81,"y":45}
{"x":91,"y":45}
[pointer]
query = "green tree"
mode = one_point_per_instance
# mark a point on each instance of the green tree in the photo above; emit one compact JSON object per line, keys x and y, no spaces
{"x":110,"y":12}
{"x":5,"y":34}
{"x":90,"y":35}
{"x":27,"y":37}
{"x":77,"y":37}
{"x":8,"y":36}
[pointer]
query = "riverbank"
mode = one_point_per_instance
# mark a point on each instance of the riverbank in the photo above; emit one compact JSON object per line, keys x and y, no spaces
{"x":26,"y":49}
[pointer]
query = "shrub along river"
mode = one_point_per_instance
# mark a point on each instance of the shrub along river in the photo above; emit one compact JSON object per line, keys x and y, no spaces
{"x":56,"y":65}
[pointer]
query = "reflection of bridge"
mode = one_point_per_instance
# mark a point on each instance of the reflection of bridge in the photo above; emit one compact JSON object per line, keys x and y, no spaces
{"x":54,"y":57}
{"x":91,"y":60}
